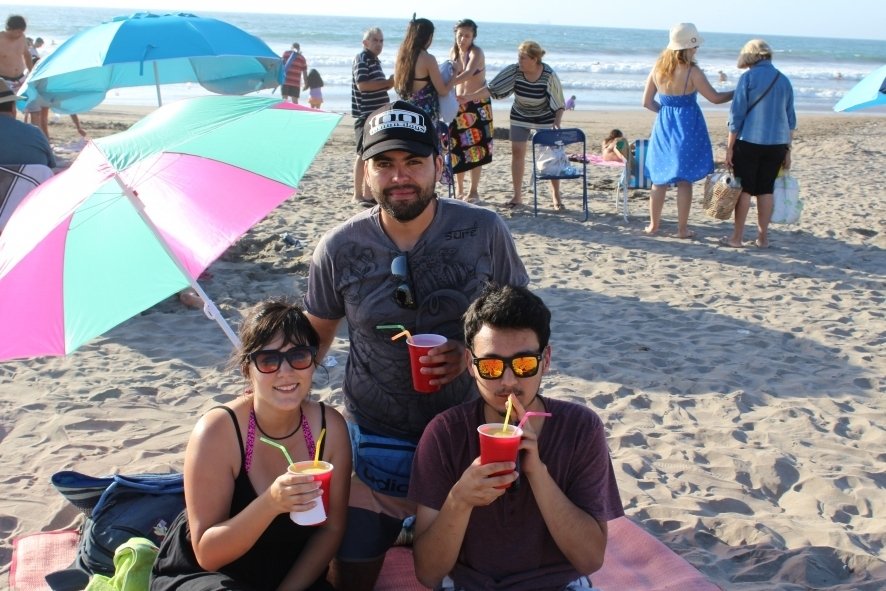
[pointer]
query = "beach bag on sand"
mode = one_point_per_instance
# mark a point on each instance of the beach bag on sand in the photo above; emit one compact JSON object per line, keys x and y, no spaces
{"x":552,"y":161}
{"x":721,"y":193}
{"x":117,"y":508}
{"x":786,"y":203}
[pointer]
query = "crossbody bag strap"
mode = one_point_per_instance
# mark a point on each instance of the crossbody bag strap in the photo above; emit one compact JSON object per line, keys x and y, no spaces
{"x":754,"y":104}
{"x":765,"y":92}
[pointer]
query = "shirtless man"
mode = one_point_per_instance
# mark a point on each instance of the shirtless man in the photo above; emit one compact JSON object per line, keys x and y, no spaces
{"x":471,"y":130}
{"x":14,"y":55}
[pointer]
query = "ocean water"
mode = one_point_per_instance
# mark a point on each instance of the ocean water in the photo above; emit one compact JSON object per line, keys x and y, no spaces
{"x":605,"y":68}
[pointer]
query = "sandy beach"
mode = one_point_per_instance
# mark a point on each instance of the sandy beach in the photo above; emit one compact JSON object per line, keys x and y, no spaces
{"x":742,"y":389}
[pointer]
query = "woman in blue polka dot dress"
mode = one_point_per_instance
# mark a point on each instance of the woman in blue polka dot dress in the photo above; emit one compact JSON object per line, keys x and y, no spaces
{"x":680,"y":147}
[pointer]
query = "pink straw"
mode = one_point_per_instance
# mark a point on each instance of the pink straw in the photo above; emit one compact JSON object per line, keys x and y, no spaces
{"x":532,"y":414}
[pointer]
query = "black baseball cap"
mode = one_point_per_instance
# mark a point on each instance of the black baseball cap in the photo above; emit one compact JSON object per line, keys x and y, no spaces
{"x":399,"y":126}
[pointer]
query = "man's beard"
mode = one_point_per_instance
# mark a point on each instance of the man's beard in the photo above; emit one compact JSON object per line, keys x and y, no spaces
{"x":405,"y":211}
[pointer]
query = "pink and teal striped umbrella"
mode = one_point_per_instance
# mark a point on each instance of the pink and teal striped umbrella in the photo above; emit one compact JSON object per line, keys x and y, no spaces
{"x":141,"y":214}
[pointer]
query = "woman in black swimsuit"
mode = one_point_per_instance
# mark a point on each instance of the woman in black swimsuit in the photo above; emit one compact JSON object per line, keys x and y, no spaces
{"x":417,"y":77}
{"x":236,"y":532}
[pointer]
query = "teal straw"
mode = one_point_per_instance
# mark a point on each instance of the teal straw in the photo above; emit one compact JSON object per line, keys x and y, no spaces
{"x":278,"y":446}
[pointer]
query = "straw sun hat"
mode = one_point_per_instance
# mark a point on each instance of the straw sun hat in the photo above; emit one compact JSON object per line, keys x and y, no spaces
{"x":684,"y":36}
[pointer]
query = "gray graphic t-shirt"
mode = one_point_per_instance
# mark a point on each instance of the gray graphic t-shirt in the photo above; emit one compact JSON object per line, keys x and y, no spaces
{"x":350,"y":276}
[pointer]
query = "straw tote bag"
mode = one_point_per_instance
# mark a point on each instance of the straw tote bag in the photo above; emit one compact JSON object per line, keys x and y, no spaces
{"x":721,"y":189}
{"x":721,"y":193}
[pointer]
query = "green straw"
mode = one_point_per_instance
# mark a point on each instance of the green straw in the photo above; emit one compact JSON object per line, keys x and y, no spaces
{"x":399,"y":327}
{"x":278,"y":446}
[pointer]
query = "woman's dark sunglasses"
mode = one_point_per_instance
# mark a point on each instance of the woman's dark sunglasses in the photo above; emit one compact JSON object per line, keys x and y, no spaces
{"x":269,"y":360}
{"x":493,"y":368}
{"x":403,"y":293}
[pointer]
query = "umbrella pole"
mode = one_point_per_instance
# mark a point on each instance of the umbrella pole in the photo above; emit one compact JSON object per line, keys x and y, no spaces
{"x":157,"y":84}
{"x":209,"y":308}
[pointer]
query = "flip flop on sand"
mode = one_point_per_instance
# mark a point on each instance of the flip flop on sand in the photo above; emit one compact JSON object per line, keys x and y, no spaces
{"x":761,"y":243}
{"x":512,"y":206}
{"x":724,"y":241}
{"x":688,"y":236}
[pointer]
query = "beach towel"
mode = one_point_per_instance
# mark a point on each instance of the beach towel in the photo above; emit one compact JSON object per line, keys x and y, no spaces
{"x":596,"y":160}
{"x":132,"y":567}
{"x":639,"y":172}
{"x":471,"y":134}
{"x":448,"y":102}
{"x":35,"y":555}
{"x":16,"y":181}
{"x":635,"y":560}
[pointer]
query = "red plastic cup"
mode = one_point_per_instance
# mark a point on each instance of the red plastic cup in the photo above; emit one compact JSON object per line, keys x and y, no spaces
{"x":321,"y":472}
{"x":420,"y":344}
{"x":499,"y":446}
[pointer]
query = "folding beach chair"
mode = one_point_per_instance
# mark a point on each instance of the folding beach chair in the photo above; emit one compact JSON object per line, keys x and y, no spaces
{"x":560,"y":138}
{"x":621,"y":188}
{"x":635,"y":175}
{"x":624,"y":172}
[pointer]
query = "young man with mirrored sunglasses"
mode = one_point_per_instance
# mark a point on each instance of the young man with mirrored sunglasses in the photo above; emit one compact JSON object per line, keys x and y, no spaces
{"x":550,"y":532}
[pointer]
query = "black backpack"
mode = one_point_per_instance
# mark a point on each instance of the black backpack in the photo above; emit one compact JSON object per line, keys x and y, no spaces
{"x":117,"y":508}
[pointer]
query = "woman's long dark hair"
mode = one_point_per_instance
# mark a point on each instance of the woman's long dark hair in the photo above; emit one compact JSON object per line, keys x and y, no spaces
{"x":419,"y":33}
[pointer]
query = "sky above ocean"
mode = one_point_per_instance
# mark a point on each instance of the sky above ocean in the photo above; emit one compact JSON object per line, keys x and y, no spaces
{"x":853,"y":19}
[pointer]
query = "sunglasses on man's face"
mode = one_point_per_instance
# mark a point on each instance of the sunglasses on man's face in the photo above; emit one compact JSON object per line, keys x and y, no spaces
{"x":270,"y":360}
{"x":493,"y":368}
{"x":403,"y":293}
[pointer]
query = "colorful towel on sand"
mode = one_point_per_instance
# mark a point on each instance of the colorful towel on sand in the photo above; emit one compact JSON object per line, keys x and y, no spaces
{"x":471,"y":136}
{"x":595,"y":159}
{"x":635,"y":560}
{"x":36,"y":555}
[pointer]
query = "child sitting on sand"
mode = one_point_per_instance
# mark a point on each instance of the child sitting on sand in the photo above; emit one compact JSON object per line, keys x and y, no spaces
{"x":570,"y":103}
{"x":313,"y":83}
{"x":615,"y":147}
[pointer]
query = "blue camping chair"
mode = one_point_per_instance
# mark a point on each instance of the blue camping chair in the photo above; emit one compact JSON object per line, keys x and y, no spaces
{"x":561,"y":138}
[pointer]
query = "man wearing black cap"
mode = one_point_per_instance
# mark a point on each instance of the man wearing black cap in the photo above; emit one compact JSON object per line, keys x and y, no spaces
{"x":22,"y":143}
{"x":416,"y":261}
